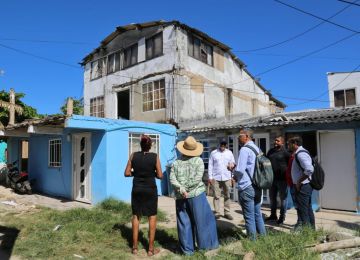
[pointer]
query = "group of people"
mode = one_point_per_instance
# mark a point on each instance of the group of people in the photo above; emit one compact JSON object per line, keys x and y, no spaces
{"x":196,"y":222}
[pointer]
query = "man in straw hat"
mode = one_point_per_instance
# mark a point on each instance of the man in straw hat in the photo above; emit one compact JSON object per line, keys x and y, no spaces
{"x":195,"y":220}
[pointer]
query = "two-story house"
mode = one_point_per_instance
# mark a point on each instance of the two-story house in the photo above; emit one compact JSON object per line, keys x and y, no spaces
{"x":344,"y":88}
{"x":169,"y":72}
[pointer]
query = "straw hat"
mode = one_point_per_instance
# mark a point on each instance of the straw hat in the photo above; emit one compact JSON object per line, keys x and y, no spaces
{"x":190,"y":147}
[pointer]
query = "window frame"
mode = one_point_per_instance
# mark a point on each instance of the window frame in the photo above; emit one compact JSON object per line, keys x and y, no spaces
{"x":197,"y":46}
{"x":137,"y":135}
{"x":152,"y":40}
{"x":133,"y":50}
{"x":55,"y":153}
{"x":160,"y":100}
{"x":344,"y":97}
{"x":101,"y":66}
{"x":206,"y":151}
{"x":96,"y":105}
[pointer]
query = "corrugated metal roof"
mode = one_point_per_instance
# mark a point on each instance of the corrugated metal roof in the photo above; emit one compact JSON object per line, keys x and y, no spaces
{"x":316,"y":116}
{"x":49,"y":120}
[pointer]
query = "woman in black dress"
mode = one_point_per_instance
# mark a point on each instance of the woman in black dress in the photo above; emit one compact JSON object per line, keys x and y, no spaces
{"x":144,"y":167}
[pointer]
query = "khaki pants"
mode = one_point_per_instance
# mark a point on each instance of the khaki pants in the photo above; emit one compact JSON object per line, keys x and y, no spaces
{"x":225,"y":186}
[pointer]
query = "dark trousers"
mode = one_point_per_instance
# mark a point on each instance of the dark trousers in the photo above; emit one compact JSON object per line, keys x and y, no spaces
{"x":304,"y":208}
{"x":278,"y":187}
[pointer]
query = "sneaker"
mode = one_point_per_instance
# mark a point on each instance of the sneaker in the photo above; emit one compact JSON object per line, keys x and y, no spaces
{"x":228,"y":216}
{"x":271,"y":218}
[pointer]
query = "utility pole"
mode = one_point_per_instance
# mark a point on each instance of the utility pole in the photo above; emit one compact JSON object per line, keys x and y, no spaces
{"x":12,"y":107}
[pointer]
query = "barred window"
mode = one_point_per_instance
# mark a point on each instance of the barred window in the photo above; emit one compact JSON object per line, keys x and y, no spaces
{"x":134,"y":142}
{"x":55,"y":153}
{"x":153,"y":94}
{"x":97,"y":106}
{"x":206,"y":152}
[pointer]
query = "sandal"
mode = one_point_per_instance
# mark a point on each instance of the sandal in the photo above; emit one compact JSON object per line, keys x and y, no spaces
{"x":134,"y":250}
{"x":153,"y":252}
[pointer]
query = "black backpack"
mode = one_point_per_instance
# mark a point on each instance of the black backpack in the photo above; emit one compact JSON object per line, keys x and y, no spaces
{"x":318,"y":177}
{"x":263,"y":173}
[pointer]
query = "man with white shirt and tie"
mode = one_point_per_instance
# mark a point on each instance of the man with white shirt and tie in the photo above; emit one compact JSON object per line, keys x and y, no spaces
{"x":221,"y":163}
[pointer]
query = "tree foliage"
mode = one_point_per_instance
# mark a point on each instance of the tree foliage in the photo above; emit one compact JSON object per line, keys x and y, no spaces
{"x":78,"y":107}
{"x":28,"y":111}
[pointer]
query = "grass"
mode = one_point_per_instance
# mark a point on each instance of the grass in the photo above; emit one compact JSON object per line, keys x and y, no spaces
{"x":103,"y":233}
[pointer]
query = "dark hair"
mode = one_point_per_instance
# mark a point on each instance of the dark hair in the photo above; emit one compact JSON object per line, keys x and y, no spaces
{"x":145,"y":143}
{"x":223,"y":142}
{"x":248,"y":131}
{"x":296,"y":139}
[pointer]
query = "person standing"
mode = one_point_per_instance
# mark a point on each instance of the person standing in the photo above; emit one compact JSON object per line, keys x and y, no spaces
{"x":279,"y":158}
{"x":194,"y":218}
{"x":249,"y":195}
{"x":301,"y":171}
{"x":221,"y":162}
{"x":144,"y":166}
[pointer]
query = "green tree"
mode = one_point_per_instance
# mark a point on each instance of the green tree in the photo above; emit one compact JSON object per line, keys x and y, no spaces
{"x":28,"y":111}
{"x":78,"y":106}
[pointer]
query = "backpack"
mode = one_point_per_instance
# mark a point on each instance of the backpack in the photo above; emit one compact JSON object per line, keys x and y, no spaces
{"x":318,"y":176}
{"x":263,"y":172}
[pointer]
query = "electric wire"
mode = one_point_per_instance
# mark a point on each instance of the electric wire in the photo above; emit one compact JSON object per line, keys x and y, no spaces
{"x":352,"y":3}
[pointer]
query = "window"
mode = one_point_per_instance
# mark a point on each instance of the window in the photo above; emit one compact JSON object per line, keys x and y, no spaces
{"x":97,"y":106}
{"x":113,"y":62}
{"x":154,"y":46}
{"x":153,"y":94}
{"x":55,"y":153}
{"x":130,"y":56}
{"x":134,"y":142}
{"x":200,"y":50}
{"x":206,"y":153}
{"x":344,"y":97}
{"x":98,"y":68}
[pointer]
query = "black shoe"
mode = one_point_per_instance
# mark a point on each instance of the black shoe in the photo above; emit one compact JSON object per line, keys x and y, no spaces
{"x":280,"y":221}
{"x":271,"y":218}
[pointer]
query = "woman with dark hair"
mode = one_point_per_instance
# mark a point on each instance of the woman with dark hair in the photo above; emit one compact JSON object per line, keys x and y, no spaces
{"x":144,"y":166}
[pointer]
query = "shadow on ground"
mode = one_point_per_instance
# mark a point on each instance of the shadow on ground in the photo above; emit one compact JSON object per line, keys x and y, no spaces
{"x":8,"y":237}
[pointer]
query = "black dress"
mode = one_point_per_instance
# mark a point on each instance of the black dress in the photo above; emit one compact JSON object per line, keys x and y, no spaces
{"x":144,"y":199}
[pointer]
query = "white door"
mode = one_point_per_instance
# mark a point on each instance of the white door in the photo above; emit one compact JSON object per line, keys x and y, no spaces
{"x":81,"y":167}
{"x":263,"y":142}
{"x":337,"y":157}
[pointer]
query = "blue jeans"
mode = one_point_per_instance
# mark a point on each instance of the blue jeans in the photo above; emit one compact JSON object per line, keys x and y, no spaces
{"x":195,"y":222}
{"x":249,"y":200}
{"x":278,"y":186}
{"x":304,"y":207}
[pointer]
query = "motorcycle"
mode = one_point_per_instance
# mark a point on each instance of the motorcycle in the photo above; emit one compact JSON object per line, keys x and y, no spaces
{"x":18,"y":181}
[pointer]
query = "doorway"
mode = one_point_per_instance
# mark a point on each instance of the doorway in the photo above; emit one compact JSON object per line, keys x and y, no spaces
{"x":81,"y":167}
{"x":123,"y":104}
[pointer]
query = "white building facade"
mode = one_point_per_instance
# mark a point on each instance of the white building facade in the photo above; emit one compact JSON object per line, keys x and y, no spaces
{"x":169,"y":72}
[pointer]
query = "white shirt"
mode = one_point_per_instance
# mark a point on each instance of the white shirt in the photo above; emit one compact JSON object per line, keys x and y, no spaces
{"x":218,"y":163}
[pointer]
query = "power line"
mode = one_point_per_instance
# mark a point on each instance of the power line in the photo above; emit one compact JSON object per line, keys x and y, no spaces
{"x":325,"y":92}
{"x":354,"y":3}
{"x":295,"y":36}
{"x":318,"y":17}
{"x":39,"y":57}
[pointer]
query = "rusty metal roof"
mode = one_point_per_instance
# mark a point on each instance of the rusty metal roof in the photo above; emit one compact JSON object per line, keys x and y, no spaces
{"x":315,"y":116}
{"x":57,"y":120}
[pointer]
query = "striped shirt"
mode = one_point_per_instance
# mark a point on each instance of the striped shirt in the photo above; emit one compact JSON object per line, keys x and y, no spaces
{"x":186,"y":176}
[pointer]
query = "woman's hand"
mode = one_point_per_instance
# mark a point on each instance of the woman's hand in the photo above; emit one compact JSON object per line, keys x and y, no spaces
{"x":185,"y":194}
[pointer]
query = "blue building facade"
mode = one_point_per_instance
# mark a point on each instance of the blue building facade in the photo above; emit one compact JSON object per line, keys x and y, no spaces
{"x":86,"y":160}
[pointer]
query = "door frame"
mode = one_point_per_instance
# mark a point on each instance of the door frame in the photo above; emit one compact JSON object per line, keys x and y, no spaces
{"x":73,"y":163}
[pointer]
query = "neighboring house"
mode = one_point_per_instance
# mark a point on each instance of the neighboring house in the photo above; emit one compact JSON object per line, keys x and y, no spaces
{"x":84,"y":158}
{"x":333,"y":135}
{"x":169,"y":72}
{"x":344,"y":88}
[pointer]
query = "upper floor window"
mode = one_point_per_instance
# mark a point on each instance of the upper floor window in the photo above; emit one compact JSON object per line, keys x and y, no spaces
{"x":98,"y":68}
{"x":114,"y":62}
{"x":153,"y":94}
{"x":344,"y":97}
{"x":97,"y":106}
{"x":55,"y":153}
{"x":130,"y":55}
{"x":154,"y":46}
{"x":200,"y":50}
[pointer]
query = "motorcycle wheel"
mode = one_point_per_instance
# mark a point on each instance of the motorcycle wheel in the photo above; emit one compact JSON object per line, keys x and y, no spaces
{"x":28,"y":188}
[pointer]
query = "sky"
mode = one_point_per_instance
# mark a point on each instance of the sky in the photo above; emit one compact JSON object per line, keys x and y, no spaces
{"x":42,"y":42}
